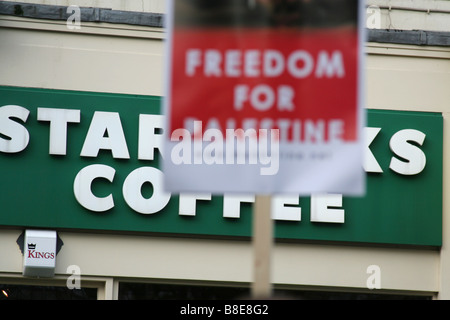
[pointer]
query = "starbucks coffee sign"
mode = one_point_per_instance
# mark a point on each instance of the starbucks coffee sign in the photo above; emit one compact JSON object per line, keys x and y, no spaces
{"x":92,"y":161}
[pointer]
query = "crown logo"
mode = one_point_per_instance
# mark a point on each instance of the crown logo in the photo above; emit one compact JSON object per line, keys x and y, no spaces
{"x":31,"y":246}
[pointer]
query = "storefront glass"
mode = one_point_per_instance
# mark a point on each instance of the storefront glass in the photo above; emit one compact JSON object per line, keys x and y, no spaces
{"x":146,"y":291}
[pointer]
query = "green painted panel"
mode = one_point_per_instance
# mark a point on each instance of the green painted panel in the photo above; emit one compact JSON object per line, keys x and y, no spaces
{"x":36,"y":188}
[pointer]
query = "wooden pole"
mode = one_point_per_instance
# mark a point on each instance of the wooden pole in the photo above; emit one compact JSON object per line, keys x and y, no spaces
{"x":262,"y":241}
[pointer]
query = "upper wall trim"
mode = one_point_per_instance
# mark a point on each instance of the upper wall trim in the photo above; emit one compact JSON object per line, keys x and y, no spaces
{"x":413,"y":37}
{"x":52,"y":12}
{"x":156,"y":20}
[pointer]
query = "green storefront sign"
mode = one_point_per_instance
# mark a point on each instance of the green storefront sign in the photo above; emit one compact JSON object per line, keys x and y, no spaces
{"x":82,"y":160}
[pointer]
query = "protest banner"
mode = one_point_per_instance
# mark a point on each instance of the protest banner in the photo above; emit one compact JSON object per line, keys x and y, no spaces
{"x":264,"y":98}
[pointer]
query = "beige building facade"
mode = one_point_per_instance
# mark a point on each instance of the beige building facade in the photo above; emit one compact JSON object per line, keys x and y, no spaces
{"x":121,"y":58}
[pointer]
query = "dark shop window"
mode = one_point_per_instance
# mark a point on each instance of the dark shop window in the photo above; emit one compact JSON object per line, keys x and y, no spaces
{"x":26,"y":292}
{"x":146,"y":291}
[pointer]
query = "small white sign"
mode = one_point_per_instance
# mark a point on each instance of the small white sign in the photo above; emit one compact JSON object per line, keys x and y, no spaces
{"x":39,"y":255}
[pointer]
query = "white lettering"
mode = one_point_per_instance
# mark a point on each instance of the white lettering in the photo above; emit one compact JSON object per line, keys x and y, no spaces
{"x":17,"y":136}
{"x":213,"y":152}
{"x":240,"y":96}
{"x":58,"y":118}
{"x":74,"y":280}
{"x":241,"y":147}
{"x":232,"y":204}
{"x":330,"y":67}
{"x":251,"y":63}
{"x":270,"y":63}
{"x":181,"y":152}
{"x":285,"y":96}
{"x":408,"y":158}
{"x":273,"y":63}
{"x":73,"y":21}
{"x":192,"y":61}
{"x":374,"y":280}
{"x":300,"y":64}
{"x":281,"y":212}
{"x":150,"y":136}
{"x":83,"y":183}
{"x":213,"y":59}
{"x":324,"y":208}
{"x":105,"y":123}
{"x":236,"y":146}
{"x":132,"y":187}
{"x":335,"y":130}
{"x":270,"y":162}
{"x":188,"y":201}
{"x":263,"y":97}
{"x":414,"y":159}
{"x":232,"y":63}
{"x":314,"y":131}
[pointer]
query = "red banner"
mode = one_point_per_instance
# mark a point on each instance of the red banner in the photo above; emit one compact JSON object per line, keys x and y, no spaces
{"x":270,"y":78}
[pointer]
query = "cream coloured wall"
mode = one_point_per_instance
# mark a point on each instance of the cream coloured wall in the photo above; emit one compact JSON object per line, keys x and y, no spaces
{"x":125,"y":59}
{"x":131,"y":61}
{"x":418,"y":79}
{"x":183,"y":260}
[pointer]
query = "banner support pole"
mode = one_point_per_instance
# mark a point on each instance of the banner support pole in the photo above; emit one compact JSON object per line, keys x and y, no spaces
{"x":262,"y":241}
